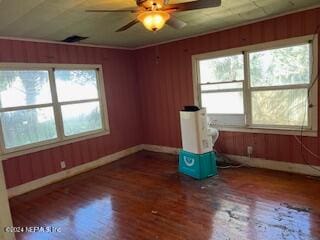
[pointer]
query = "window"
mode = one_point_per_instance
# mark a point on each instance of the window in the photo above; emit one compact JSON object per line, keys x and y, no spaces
{"x":222,"y":81}
{"x":279,"y":80}
{"x":268,"y":86}
{"x":81,"y":110}
{"x":49,"y":104}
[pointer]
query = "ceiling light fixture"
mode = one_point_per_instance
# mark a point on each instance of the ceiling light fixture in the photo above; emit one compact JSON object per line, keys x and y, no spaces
{"x":153,"y":20}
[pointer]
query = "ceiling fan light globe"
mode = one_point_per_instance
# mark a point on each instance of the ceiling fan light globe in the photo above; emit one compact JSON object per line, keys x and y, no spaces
{"x":153,"y":20}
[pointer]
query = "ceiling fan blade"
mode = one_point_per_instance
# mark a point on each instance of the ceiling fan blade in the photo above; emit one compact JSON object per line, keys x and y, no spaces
{"x":129,"y":25}
{"x":200,"y":4}
{"x":176,"y":23}
{"x":105,"y":10}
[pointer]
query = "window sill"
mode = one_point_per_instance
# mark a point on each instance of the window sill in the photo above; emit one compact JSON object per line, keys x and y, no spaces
{"x":45,"y":146}
{"x":308,"y":133}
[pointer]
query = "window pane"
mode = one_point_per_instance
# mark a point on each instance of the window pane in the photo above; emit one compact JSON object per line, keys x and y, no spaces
{"x":80,"y":118}
{"x":225,"y":102}
{"x":24,"y":127}
{"x":280,"y":107}
{"x":221,"y":86}
{"x":283,"y":66}
{"x":21,"y":88}
{"x":76,"y":84}
{"x":222,"y":69}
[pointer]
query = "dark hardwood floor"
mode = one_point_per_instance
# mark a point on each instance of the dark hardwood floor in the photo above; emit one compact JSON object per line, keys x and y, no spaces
{"x":143,"y":197}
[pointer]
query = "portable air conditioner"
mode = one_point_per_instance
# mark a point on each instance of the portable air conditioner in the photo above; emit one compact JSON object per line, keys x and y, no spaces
{"x":194,"y":132}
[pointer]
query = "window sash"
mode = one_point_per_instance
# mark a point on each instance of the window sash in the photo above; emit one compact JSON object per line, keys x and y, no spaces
{"x":234,"y":89}
{"x":218,"y":83}
{"x":217,"y":57}
{"x":56,"y":105}
{"x":223,"y":90}
{"x":285,"y":87}
{"x":8,"y":109}
{"x":247,"y":89}
{"x":297,"y":127}
{"x":87,"y":132}
{"x":227,"y":91}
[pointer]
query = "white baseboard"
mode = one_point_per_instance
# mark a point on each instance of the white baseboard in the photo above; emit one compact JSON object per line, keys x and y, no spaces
{"x":252,"y":162}
{"x":276,"y":165}
{"x":41,"y":182}
{"x":161,"y":149}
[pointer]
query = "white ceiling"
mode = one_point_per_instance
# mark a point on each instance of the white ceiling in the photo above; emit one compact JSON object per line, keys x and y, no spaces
{"x":57,"y":19}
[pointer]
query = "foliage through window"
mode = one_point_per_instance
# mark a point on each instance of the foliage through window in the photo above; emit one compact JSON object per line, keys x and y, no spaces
{"x":286,"y":74}
{"x":268,"y":88}
{"x":41,"y":106}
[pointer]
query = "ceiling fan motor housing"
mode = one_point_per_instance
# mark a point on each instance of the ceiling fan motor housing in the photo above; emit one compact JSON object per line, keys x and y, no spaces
{"x":151,"y":4}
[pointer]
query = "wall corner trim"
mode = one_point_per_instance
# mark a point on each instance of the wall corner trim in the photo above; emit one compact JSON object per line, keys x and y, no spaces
{"x":5,"y":219}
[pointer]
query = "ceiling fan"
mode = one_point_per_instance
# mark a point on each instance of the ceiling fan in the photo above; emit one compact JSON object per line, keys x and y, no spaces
{"x":154,"y":14}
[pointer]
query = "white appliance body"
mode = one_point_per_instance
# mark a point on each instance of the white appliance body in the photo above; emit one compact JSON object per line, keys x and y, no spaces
{"x":194,"y":132}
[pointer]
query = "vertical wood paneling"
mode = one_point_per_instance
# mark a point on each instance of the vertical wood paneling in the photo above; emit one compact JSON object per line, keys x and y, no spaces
{"x":269,"y":33}
{"x":122,"y":99}
{"x":163,"y":88}
{"x":25,"y":169}
{"x":272,"y":146}
{"x":244,"y":35}
{"x":294,"y":25}
{"x":67,"y":157}
{"x":285,"y":147}
{"x":175,"y":90}
{"x":238,"y":142}
{"x":47,"y":165}
{"x":55,"y":158}
{"x":76,"y":155}
{"x":14,"y":178}
{"x":100,"y":147}
{"x":281,"y":31}
{"x":312,"y":143}
{"x":36,"y":165}
{"x":175,"y":80}
{"x":92,"y":144}
{"x":234,"y":38}
{"x":168,"y":114}
{"x":5,"y":54}
{"x":256,"y":32}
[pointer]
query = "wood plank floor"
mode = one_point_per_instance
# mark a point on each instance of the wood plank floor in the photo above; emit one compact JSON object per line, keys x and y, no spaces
{"x":143,"y":197}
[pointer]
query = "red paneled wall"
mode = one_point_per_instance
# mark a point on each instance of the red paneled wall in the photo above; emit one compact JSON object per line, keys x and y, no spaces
{"x":165,"y":76}
{"x":145,"y":90}
{"x":122,"y":99}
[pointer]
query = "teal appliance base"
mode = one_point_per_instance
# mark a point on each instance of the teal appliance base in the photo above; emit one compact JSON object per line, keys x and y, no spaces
{"x":198,"y":166}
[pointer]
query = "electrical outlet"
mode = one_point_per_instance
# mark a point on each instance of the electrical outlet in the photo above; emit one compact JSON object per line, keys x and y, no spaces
{"x":63,"y":164}
{"x":249,"y":150}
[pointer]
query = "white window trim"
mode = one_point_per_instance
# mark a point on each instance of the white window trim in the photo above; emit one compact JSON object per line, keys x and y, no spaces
{"x":61,"y":138}
{"x":313,"y":112}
